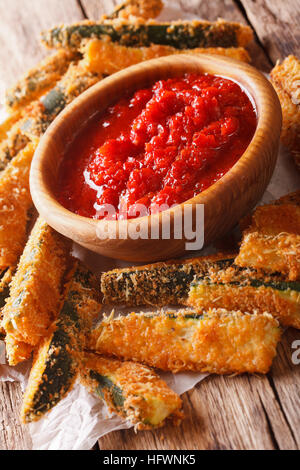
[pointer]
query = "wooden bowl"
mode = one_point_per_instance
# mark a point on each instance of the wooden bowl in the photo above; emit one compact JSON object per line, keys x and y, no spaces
{"x":225,"y":202}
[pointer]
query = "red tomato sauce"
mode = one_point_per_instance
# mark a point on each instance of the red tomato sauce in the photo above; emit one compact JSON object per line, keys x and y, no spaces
{"x":159,"y":147}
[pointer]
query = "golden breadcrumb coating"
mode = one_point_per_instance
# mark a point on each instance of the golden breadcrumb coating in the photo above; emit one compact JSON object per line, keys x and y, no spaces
{"x":137,"y":9}
{"x":107,"y":57}
{"x":216,"y":341}
{"x":286,"y":80}
{"x":159,"y":284}
{"x":15,"y":203}
{"x":131,"y":390}
{"x":246,"y":290}
{"x":38,"y":80}
{"x":56,"y":360}
{"x":35,"y":291}
{"x":272,"y":240}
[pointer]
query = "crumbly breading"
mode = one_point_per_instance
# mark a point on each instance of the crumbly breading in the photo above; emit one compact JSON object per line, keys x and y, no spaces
{"x":56,"y":361}
{"x":216,"y":341}
{"x":107,"y":57}
{"x":132,"y":390}
{"x":35,"y":291}
{"x":40,"y":114}
{"x":15,"y":203}
{"x":272,"y":240}
{"x":246,"y":290}
{"x":139,"y":33}
{"x":38,"y":80}
{"x":159,"y":283}
{"x":286,"y":80}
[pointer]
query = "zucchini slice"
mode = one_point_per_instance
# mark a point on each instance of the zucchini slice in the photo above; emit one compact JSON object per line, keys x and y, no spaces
{"x":180,"y":35}
{"x":38,"y":80}
{"x":285,"y":79}
{"x":76,"y":80}
{"x":56,"y":361}
{"x":131,"y":390}
{"x":157,"y":284}
{"x":214,"y":341}
{"x":107,"y":57}
{"x":15,"y":206}
{"x":271,"y":241}
{"x":246,"y":290}
{"x":36,"y":288}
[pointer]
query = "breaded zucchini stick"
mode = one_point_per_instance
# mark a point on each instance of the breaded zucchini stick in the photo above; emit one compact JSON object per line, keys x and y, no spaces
{"x":76,"y":80}
{"x":38,"y":80}
{"x":157,"y":284}
{"x":137,"y":8}
{"x":216,"y":341}
{"x":12,"y":144}
{"x":107,"y":57}
{"x":286,"y":81}
{"x":15,"y":204}
{"x":131,"y":390}
{"x":7,"y":124}
{"x":56,"y":361}
{"x":36,"y":289}
{"x":272,"y":240}
{"x":250,"y":291}
{"x":140,"y":33}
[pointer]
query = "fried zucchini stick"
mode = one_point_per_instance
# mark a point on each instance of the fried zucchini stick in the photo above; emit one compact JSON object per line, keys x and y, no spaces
{"x":107,"y":57}
{"x":56,"y":361}
{"x":141,"y":33}
{"x":12,"y":144}
{"x":286,"y":81}
{"x":146,"y":9}
{"x":272,"y":240}
{"x":76,"y":80}
{"x":132,"y":391}
{"x":36,"y":289}
{"x":216,"y":341}
{"x":157,"y":284}
{"x":250,"y":291}
{"x":15,"y":204}
{"x":38,"y":80}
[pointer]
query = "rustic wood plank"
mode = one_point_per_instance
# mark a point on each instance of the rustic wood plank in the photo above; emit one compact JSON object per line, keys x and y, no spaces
{"x":285,"y":380}
{"x":13,"y":435}
{"x":276,"y":24}
{"x":21,"y":24}
{"x":221,"y":413}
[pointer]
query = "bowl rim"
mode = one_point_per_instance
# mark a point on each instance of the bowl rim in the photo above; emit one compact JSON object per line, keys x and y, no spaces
{"x":256,"y":85}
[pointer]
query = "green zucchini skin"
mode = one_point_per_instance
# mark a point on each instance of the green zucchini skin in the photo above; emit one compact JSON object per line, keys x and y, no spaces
{"x":159,"y":284}
{"x":60,"y":352}
{"x":106,"y":384}
{"x":177,"y":35}
{"x":11,"y":147}
{"x":74,"y":82}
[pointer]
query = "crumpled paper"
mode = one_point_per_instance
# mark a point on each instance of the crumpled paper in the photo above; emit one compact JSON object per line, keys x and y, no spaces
{"x":79,"y":420}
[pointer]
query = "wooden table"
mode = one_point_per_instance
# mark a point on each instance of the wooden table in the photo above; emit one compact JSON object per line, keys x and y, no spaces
{"x":244,"y":412}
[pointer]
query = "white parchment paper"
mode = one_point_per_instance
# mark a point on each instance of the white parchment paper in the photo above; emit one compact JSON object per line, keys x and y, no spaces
{"x":80,"y":419}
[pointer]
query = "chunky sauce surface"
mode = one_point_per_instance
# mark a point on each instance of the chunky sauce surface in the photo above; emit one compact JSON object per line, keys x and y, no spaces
{"x":158,"y":148}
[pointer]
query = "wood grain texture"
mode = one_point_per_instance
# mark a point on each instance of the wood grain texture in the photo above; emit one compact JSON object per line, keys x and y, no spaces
{"x":240,"y":412}
{"x":276,"y":23}
{"x":13,"y":435}
{"x":21,"y":24}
